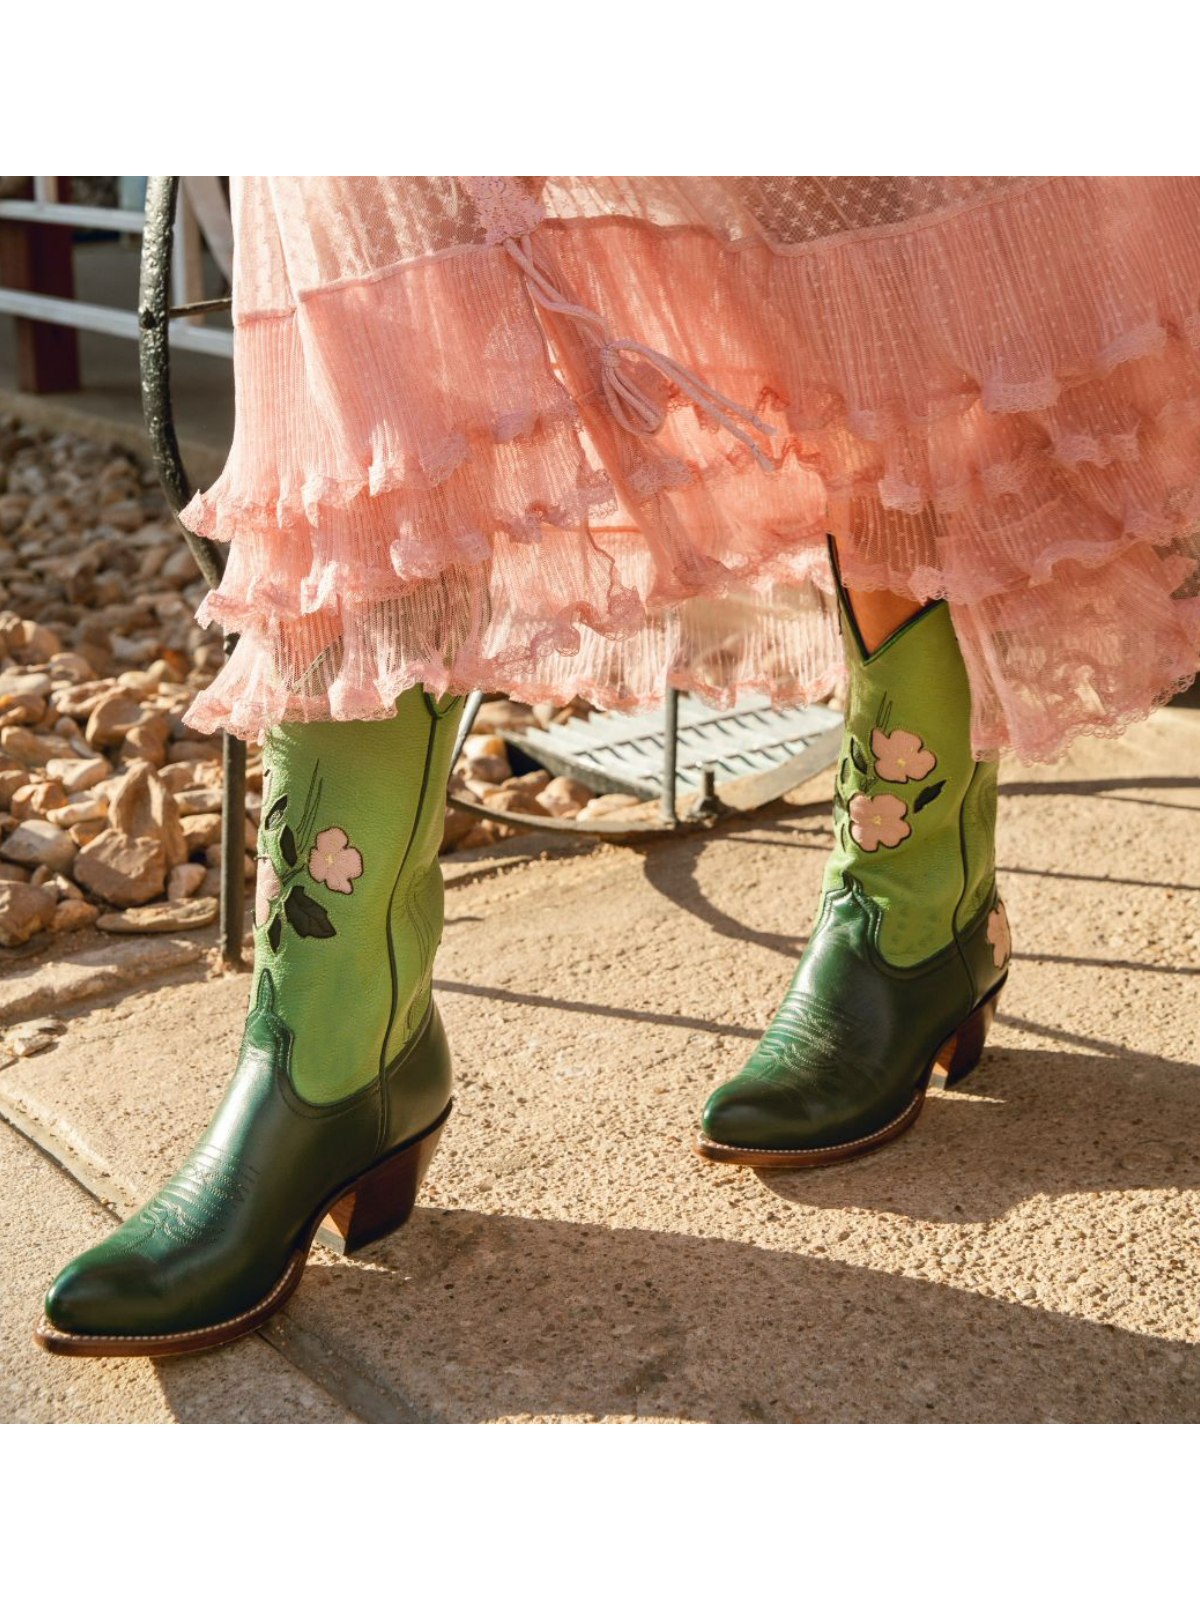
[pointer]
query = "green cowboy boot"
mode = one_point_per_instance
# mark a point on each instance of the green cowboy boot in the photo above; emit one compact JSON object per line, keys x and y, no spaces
{"x":343,"y":1084}
{"x":900,"y":977}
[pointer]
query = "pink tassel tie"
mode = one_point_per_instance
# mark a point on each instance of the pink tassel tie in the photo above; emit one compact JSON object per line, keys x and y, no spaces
{"x":633,"y":408}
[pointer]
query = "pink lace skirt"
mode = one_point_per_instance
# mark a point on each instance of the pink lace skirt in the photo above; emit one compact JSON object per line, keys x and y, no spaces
{"x":587,"y":436}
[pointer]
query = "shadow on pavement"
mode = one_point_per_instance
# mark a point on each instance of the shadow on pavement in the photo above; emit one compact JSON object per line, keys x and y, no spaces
{"x":472,"y":1317}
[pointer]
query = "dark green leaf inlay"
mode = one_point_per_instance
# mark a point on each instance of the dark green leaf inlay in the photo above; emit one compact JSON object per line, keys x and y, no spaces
{"x":926,"y":795}
{"x":287,"y":846}
{"x":307,"y":916}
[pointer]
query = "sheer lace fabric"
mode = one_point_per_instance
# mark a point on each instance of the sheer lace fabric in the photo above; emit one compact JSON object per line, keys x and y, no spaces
{"x":567,"y":436}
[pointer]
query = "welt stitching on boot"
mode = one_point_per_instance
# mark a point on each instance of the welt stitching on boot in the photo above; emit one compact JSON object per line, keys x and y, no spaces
{"x":910,"y":938}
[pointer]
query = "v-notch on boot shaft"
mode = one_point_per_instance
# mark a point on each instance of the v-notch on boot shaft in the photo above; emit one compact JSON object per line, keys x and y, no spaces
{"x":898,"y":982}
{"x":343,"y":1083}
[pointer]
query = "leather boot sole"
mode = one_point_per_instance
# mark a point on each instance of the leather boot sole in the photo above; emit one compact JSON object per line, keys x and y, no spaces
{"x":953,"y":1060}
{"x":372,"y":1205}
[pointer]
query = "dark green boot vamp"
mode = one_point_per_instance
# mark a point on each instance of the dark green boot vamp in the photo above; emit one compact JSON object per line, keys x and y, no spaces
{"x":222,"y":1232}
{"x":851,"y":1044}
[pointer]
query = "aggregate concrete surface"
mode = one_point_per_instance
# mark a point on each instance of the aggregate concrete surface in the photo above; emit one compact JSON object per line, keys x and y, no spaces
{"x":1028,"y":1252}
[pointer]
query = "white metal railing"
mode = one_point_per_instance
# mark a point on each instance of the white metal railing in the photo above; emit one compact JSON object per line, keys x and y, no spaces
{"x":110,"y":319}
{"x":202,"y":218}
{"x":73,"y":216}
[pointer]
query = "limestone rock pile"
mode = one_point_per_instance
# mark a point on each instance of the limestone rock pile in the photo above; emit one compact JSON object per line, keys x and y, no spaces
{"x":110,"y":805}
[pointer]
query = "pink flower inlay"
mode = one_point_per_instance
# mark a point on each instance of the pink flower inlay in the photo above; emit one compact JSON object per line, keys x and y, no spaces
{"x":998,"y":934}
{"x":900,"y":756}
{"x":334,"y":861}
{"x":266,"y":887}
{"x":877,"y":819}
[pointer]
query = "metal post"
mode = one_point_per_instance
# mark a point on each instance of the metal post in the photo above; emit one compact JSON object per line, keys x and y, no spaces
{"x":670,"y":755}
{"x":155,"y":357}
{"x":470,"y":711}
{"x":708,"y":804}
{"x":154,"y":352}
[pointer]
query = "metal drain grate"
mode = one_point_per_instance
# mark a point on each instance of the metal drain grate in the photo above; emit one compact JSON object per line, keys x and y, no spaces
{"x":620,"y":752}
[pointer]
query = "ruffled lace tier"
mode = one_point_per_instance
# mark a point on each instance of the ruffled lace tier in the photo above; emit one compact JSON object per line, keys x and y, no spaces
{"x":432,"y":481}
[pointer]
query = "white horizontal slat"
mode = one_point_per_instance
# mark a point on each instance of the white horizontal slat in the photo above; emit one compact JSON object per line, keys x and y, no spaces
{"x":107,"y":217}
{"x":208,"y":341}
{"x":111,"y":320}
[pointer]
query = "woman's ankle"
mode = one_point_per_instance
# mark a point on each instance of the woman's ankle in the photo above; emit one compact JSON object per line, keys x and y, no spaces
{"x":876,"y":613}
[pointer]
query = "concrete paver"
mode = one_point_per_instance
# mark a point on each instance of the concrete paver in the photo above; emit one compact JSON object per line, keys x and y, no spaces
{"x":99,"y":967}
{"x":1028,"y":1252}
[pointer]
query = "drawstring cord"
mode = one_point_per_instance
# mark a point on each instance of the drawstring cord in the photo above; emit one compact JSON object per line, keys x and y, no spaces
{"x":633,"y":408}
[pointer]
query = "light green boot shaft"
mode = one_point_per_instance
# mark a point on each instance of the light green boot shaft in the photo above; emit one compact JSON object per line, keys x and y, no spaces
{"x":348,"y":909}
{"x":915,"y":813}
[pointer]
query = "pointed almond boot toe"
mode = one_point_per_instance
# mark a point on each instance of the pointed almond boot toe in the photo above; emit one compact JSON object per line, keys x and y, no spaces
{"x":99,"y":1292}
{"x":818,"y":1114}
{"x":223,"y":1244}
